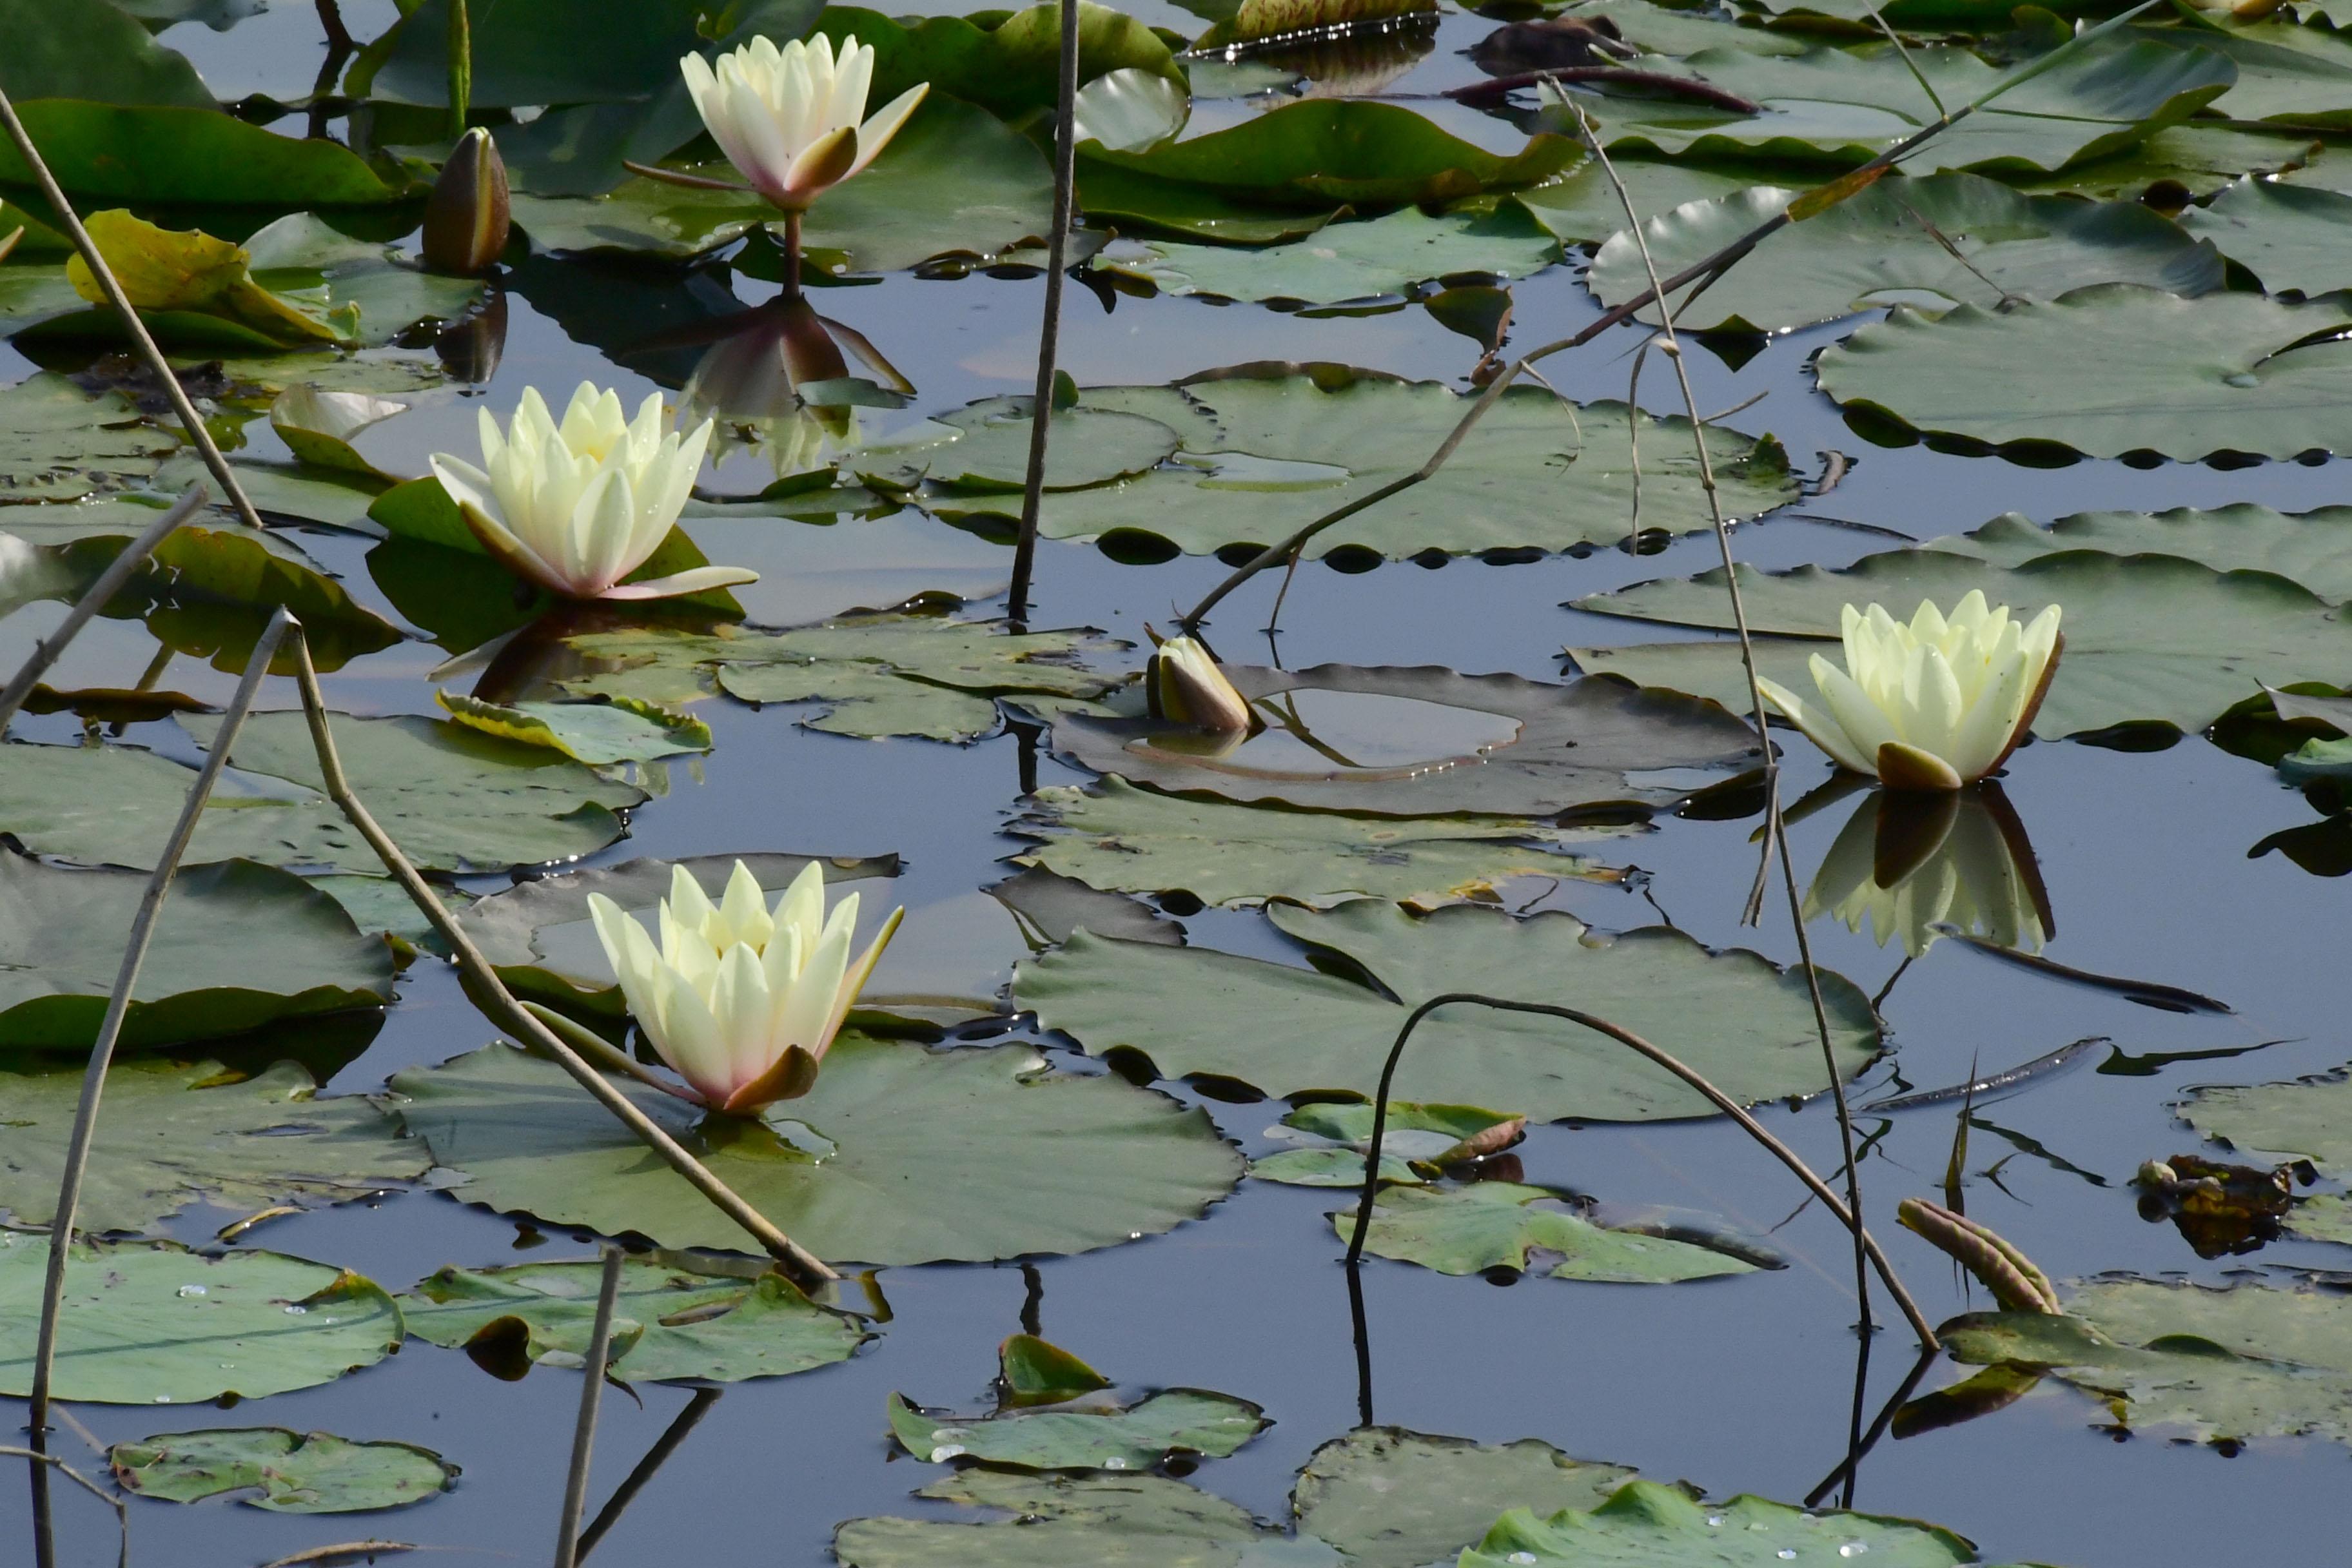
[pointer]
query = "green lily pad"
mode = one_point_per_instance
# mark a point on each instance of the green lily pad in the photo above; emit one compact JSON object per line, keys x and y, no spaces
{"x":1357,"y":260}
{"x":1032,"y":1371}
{"x":2287,"y":75}
{"x":1134,"y":202}
{"x":1845,"y":106}
{"x":1645,"y":1525}
{"x":1130,"y":840}
{"x":877,"y":675}
{"x":1421,"y":741}
{"x":1581,"y":206}
{"x":1342,"y":149}
{"x":615,"y":729}
{"x":1008,"y":63}
{"x":2292,"y":237}
{"x":92,"y":52}
{"x":154,"y":1324}
{"x":2306,"y":1118}
{"x":1268,"y":449}
{"x":667,"y":1321}
{"x":954,"y":178}
{"x":211,"y":592}
{"x":237,"y":945}
{"x":294,"y":1472}
{"x":2252,"y":1360}
{"x":2109,"y":370}
{"x":301,"y":256}
{"x":1125,"y":1437}
{"x":1417,"y":1142}
{"x":1498,"y":1224}
{"x":58,"y":442}
{"x":453,"y":799}
{"x":858,"y":1168}
{"x":1387,"y":1497}
{"x":381,"y":904}
{"x":985,"y":446}
{"x":1057,"y":1521}
{"x":1882,"y":247}
{"x":176,"y":1134}
{"x":2201,"y":157}
{"x":1733,"y":1017}
{"x":179,"y":154}
{"x":2311,"y":548}
{"x":531,"y":52}
{"x":2150,"y":639}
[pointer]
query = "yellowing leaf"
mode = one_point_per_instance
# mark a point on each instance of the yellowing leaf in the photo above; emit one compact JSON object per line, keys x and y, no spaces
{"x":187,"y":270}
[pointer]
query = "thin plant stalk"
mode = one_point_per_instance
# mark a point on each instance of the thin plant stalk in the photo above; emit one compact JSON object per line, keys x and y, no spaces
{"x":672,"y":1436}
{"x":122,"y":1510}
{"x":1777,"y":837}
{"x":1810,"y":205}
{"x":500,"y":1004}
{"x":461,"y":68}
{"x":1845,"y":1472}
{"x":1635,"y":1043}
{"x":1049,"y":332}
{"x":140,"y":338}
{"x":793,"y":254}
{"x":117,"y":1005}
{"x":118,"y":571}
{"x":592,"y":1393}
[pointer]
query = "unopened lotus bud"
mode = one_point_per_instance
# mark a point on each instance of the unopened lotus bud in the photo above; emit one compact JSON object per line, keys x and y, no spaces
{"x":1185,"y":687}
{"x":2009,"y":1274}
{"x":467,"y":217}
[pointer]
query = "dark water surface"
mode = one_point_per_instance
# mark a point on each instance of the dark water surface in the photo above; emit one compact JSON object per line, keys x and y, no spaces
{"x":1742,"y":1385}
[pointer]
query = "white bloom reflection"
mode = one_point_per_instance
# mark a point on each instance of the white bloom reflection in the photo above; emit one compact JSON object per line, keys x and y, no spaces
{"x":1905,"y":864}
{"x":780,"y":382}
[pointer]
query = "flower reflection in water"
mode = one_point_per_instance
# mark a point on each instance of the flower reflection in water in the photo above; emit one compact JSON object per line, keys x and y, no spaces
{"x":779,"y":381}
{"x":1906,"y":863}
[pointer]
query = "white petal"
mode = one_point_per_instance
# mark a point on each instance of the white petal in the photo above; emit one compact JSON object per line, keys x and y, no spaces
{"x":887,"y":121}
{"x":1818,"y":726}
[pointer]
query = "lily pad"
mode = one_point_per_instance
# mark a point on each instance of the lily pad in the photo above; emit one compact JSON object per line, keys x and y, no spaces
{"x":1356,"y":260}
{"x":452,"y":798}
{"x":2306,"y":1117}
{"x":1130,"y":840}
{"x":1387,"y":1497}
{"x":154,"y":1324}
{"x":294,"y":1472}
{"x":1268,"y":449}
{"x":303,"y":256}
{"x":617,"y":730}
{"x":211,"y":592}
{"x":2150,"y":639}
{"x":2109,"y":370}
{"x":176,"y":1134}
{"x":91,"y":52}
{"x":1057,"y":1521}
{"x":985,"y":446}
{"x":1031,"y":1370}
{"x":1421,"y":740}
{"x":1733,"y":1017}
{"x":58,"y":442}
{"x":2252,"y":1360}
{"x":1886,"y":245}
{"x":2292,"y":237}
{"x":2287,"y":75}
{"x":954,"y":178}
{"x":2311,"y":548}
{"x":1655,"y":1526}
{"x":1129,"y":1437}
{"x":1581,"y":208}
{"x":667,"y":1321}
{"x":1416,"y":1143}
{"x":1499,"y":1225}
{"x":858,"y":1168}
{"x":1007,"y":63}
{"x":238,"y":944}
{"x":178,"y":155}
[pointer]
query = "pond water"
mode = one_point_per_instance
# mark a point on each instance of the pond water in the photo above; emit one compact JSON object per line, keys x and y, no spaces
{"x":2151,"y":859}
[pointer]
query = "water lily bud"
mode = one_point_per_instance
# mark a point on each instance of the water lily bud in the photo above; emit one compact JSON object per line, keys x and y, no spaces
{"x":467,"y":217}
{"x":1184,"y":685}
{"x":1933,"y":705}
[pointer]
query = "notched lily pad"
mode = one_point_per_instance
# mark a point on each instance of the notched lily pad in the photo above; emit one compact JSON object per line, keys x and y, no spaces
{"x":293,"y":1472}
{"x":1487,"y":1225}
{"x":617,"y":730}
{"x":1661,"y":1527}
{"x":1116,"y":1437}
{"x":1418,"y":1142}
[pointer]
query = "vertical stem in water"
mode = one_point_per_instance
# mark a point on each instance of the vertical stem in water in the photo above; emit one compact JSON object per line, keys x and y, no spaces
{"x":592,"y":1391}
{"x":792,"y":254}
{"x":1049,"y":334}
{"x":461,"y":68}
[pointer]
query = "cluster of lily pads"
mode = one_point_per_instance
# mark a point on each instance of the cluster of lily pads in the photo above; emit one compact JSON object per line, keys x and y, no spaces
{"x":2152,"y":229}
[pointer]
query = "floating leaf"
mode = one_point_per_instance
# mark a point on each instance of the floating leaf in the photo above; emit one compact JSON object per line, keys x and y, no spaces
{"x":2286,"y":74}
{"x":191,"y":287}
{"x":211,"y":591}
{"x":2313,"y":548}
{"x":2306,"y":1117}
{"x":667,"y":1322}
{"x":93,"y":52}
{"x":295,"y":1472}
{"x":1498,"y":1224}
{"x":1887,"y":245}
{"x":1416,"y":1143}
{"x":154,"y":1324}
{"x":985,"y":446}
{"x":2149,"y":640}
{"x":1660,"y":1527}
{"x":1032,"y":1371}
{"x":615,"y":729}
{"x":381,"y":904}
{"x":1007,"y":63}
{"x":452,"y":798}
{"x":186,"y":155}
{"x":58,"y":442}
{"x":176,"y":1134}
{"x":1422,"y":740}
{"x":1056,"y":1522}
{"x":1581,"y":208}
{"x":1270,"y":448}
{"x":1128,"y":1438}
{"x":2109,"y":370}
{"x":1133,"y":840}
{"x":303,"y":256}
{"x":237,"y":945}
{"x":1735,"y":1017}
{"x":1352,"y":260}
{"x":2292,"y":237}
{"x":862,"y":1167}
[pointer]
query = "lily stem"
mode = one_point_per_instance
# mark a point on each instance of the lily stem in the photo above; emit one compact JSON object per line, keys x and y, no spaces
{"x":117,"y":572}
{"x":592,"y":1391}
{"x":792,"y":254}
{"x":117,"y":1006}
{"x":140,"y":339}
{"x":1634,"y":1042}
{"x":1049,"y":332}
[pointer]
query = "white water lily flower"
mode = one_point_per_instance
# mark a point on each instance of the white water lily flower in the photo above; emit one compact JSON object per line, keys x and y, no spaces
{"x":1933,"y":705}
{"x":742,"y":1004}
{"x":1910,"y":866}
{"x":788,"y":118}
{"x":577,"y":507}
{"x":1185,"y":686}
